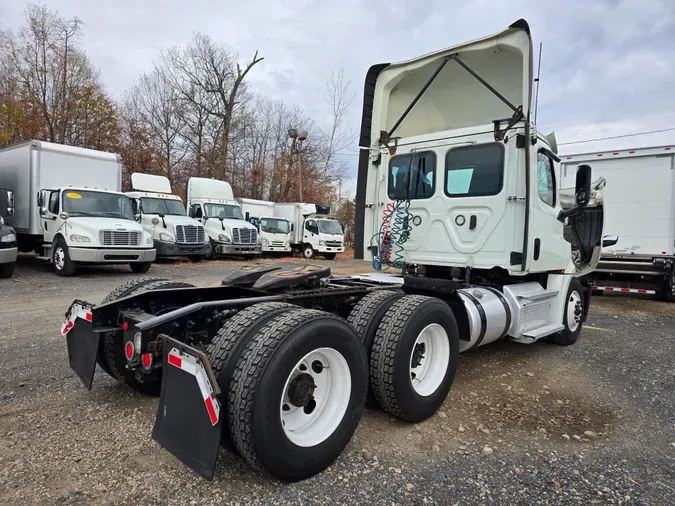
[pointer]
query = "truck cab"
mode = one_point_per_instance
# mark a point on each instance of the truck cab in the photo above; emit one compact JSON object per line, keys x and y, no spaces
{"x":274,"y":231}
{"x":8,"y":248}
{"x":211,"y":202}
{"x":162,"y":215}
{"x":92,"y":226}
{"x":322,"y":234}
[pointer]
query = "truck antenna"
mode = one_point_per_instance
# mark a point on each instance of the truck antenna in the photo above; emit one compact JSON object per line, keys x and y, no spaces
{"x":536,"y":96}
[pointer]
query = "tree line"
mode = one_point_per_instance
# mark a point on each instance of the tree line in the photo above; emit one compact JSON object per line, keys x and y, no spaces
{"x":193,"y":113}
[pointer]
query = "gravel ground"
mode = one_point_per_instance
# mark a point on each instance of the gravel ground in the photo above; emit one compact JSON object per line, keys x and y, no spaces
{"x":588,"y":424}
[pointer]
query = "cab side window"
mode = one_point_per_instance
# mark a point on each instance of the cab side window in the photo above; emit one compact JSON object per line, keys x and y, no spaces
{"x":312,"y":226}
{"x":545,"y":179}
{"x":54,"y":202}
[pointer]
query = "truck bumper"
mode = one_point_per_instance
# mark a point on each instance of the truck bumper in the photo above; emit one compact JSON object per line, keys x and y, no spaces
{"x":330,"y":249}
{"x":276,"y":249}
{"x":8,"y":255}
{"x":169,"y":249}
{"x":111,"y":256}
{"x":238,"y":249}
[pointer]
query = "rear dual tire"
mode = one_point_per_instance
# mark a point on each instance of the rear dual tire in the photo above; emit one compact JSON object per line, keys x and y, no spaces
{"x":297,"y":393}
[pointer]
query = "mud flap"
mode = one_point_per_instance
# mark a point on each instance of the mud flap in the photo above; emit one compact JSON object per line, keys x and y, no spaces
{"x":188,"y":422}
{"x":82,"y":341}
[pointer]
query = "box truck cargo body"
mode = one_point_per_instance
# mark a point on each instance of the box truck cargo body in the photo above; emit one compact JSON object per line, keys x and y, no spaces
{"x":69,"y":208}
{"x":640,"y":204}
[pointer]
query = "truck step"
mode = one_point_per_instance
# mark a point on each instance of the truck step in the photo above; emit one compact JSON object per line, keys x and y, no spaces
{"x":43,"y":258}
{"x":544,"y":331}
{"x":534,"y":296}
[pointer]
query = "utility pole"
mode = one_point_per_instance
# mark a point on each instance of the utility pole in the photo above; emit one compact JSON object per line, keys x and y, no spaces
{"x":297,"y":136}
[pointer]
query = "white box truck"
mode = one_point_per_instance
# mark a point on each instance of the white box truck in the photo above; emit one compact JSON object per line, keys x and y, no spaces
{"x":69,"y":208}
{"x":212,"y":203}
{"x":162,"y":215}
{"x":640,"y":204}
{"x":274,"y":232}
{"x":8,"y":249}
{"x":314,"y":229}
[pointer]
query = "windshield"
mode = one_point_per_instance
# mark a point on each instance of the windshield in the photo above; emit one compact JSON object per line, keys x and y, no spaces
{"x":274,"y":226}
{"x":223,"y":211}
{"x":93,"y":203}
{"x":331,"y":227}
{"x":162,"y":206}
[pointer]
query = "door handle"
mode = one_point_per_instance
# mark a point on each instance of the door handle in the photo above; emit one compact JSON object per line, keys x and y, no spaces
{"x":472,"y":222}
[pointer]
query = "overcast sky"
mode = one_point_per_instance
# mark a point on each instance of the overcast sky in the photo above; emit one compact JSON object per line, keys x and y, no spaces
{"x":607,"y":66}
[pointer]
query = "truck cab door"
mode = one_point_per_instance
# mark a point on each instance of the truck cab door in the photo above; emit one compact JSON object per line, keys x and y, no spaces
{"x":311,"y":231}
{"x":584,"y":230}
{"x":50,"y":207}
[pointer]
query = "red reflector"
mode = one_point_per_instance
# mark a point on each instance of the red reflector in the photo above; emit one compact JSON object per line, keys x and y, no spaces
{"x":599,"y":154}
{"x":615,"y":153}
{"x":663,"y":252}
{"x":609,"y":289}
{"x":87,"y":317}
{"x":125,"y":326}
{"x":631,"y":152}
{"x":640,"y":290}
{"x":209,"y":408}
{"x":129,"y":350}
{"x":147,"y":360}
{"x":667,"y":149}
{"x":568,"y":158}
{"x":177,"y":361}
{"x":625,"y":290}
{"x":594,"y":288}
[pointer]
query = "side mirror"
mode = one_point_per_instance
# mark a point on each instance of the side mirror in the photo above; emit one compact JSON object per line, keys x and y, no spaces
{"x":248,"y":216}
{"x":609,"y":240}
{"x":582,"y":190}
{"x":63,"y":216}
{"x":292,"y":227}
{"x":40,"y":200}
{"x":137,"y":217}
{"x":10,"y":203}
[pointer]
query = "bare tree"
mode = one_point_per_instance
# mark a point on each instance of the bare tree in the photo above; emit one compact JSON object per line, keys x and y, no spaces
{"x":210,"y":78}
{"x":48,"y":66}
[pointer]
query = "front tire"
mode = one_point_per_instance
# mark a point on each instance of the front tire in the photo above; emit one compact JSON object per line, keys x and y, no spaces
{"x":308,"y":251}
{"x":140,"y":267}
{"x":573,"y":315}
{"x":414,"y":357}
{"x":297,"y":394}
{"x":6,"y":270}
{"x":63,"y":265}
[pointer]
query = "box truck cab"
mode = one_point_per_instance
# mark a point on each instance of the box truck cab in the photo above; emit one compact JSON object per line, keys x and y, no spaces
{"x":8,"y":249}
{"x":69,"y":207}
{"x":314,"y":230}
{"x":274,"y":232}
{"x":162,"y":215}
{"x":212,"y":203}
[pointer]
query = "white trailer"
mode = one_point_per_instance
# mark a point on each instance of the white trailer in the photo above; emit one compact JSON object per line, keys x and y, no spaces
{"x":212,"y":203}
{"x":314,"y":230}
{"x":69,"y":208}
{"x":640,"y":212}
{"x":274,"y":232}
{"x":162,"y":215}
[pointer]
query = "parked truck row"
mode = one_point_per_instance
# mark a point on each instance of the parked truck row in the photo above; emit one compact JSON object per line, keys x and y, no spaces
{"x":66,"y":204}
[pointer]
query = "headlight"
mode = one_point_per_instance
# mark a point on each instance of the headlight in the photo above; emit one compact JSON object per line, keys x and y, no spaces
{"x":149,"y":240}
{"x":264,"y":241}
{"x":224,"y":238}
{"x":322,"y":243}
{"x":207,"y":239}
{"x":79,"y":238}
{"x":163,"y":236}
{"x":10,"y":238}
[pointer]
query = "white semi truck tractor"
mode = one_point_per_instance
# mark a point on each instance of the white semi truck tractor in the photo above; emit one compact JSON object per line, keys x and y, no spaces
{"x":162,"y":214}
{"x":315,"y":231}
{"x":69,"y":208}
{"x":212,"y":203}
{"x":274,"y":232}
{"x":456,"y":200}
